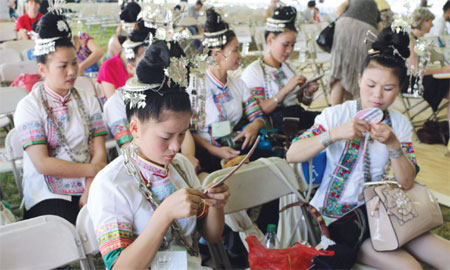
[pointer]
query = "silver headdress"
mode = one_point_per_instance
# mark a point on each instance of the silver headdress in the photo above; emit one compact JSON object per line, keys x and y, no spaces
{"x":128,"y":47}
{"x":128,"y":26}
{"x":47,"y":45}
{"x":423,"y":48}
{"x":275,"y":25}
{"x":133,"y":92}
{"x":160,"y":17}
{"x":215,"y":39}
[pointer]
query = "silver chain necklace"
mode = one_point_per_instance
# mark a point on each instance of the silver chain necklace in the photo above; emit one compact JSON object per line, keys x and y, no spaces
{"x":60,"y":133}
{"x":145,"y":189}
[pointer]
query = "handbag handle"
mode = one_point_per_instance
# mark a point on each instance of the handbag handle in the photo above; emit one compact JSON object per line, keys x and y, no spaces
{"x":386,"y":182}
{"x":314,"y":213}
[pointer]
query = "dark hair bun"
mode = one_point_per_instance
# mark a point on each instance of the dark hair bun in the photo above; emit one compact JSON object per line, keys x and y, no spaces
{"x":141,"y":33}
{"x":285,"y":13}
{"x":388,"y":40}
{"x":150,"y":69}
{"x":130,"y":12}
{"x":214,"y":21}
{"x":53,"y":25}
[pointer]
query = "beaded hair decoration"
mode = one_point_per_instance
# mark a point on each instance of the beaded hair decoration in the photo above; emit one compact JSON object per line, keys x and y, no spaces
{"x":128,"y":47}
{"x":47,"y":45}
{"x":276,"y":25}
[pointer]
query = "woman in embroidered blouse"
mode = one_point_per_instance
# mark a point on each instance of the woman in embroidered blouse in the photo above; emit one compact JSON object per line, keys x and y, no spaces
{"x":60,"y":128}
{"x":159,"y":117}
{"x":341,"y":135}
{"x":226,"y":97}
{"x":272,"y":82}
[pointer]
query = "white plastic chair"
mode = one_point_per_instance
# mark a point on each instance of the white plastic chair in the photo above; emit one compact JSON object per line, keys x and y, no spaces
{"x":9,"y":97}
{"x":254,"y":184}
{"x":19,"y":45}
{"x":9,"y":56}
{"x":14,"y":153}
{"x":10,"y":71}
{"x":7,"y":34}
{"x":44,"y":242}
{"x":85,"y":229}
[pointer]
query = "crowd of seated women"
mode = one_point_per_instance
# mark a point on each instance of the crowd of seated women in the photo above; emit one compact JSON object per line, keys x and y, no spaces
{"x":149,"y":198}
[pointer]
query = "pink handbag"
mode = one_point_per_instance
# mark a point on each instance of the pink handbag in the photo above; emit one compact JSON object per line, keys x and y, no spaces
{"x":397,"y":216}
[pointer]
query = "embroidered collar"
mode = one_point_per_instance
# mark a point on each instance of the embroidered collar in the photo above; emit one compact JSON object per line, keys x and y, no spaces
{"x":57,"y":97}
{"x":149,"y":168}
{"x":215,"y":81}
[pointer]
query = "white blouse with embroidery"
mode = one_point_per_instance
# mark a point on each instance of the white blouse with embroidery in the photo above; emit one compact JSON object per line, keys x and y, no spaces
{"x":253,"y":77}
{"x":337,"y":196}
{"x":119,"y":211}
{"x":34,"y":127}
{"x":223,"y":102}
{"x":116,"y":118}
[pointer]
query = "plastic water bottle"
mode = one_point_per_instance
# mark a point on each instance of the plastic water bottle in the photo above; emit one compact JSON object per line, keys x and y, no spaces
{"x":270,"y":240}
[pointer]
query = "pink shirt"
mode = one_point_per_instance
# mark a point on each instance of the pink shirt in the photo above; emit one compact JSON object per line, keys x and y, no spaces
{"x":113,"y":71}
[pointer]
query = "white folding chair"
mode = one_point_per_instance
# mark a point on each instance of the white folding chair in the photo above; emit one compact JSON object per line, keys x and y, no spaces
{"x":44,"y":242}
{"x":9,"y":56}
{"x":9,"y":97}
{"x":19,"y":45}
{"x":85,"y":229}
{"x":10,"y":71}
{"x":254,"y":184}
{"x":7,"y":34}
{"x":14,"y":153}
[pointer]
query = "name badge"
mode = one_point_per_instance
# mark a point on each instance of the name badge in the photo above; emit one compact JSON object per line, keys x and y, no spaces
{"x":221,"y":129}
{"x":170,"y":260}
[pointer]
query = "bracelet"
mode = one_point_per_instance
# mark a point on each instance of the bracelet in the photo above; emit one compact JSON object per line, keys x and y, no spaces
{"x":325,"y":139}
{"x":396,"y":153}
{"x":306,"y":96}
{"x":276,"y":100}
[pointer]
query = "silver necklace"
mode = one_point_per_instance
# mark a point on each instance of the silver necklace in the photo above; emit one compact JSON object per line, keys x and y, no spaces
{"x":198,"y":100}
{"x":60,"y":133}
{"x":129,"y":154}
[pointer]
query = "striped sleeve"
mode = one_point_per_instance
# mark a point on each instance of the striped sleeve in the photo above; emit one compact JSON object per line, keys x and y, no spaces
{"x":121,"y":132}
{"x":252,"y":109}
{"x":31,"y":133}
{"x":315,"y":130}
{"x":112,"y":238}
{"x":97,"y":125}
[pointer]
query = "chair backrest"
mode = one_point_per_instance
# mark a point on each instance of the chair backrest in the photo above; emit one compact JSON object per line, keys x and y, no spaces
{"x":13,"y":147}
{"x":8,"y":25}
{"x":85,"y":229}
{"x":44,"y":242}
{"x":255,"y":183}
{"x":14,"y":152}
{"x":19,"y":45}
{"x":9,"y":56}
{"x":9,"y":97}
{"x":7,"y":34}
{"x":10,"y":71}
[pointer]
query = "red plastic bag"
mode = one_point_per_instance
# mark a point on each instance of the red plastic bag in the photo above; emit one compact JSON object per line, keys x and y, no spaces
{"x":26,"y":81}
{"x":297,"y":257}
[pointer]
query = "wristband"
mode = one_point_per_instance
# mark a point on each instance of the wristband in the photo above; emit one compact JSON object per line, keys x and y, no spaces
{"x":325,"y":139}
{"x":396,"y":153}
